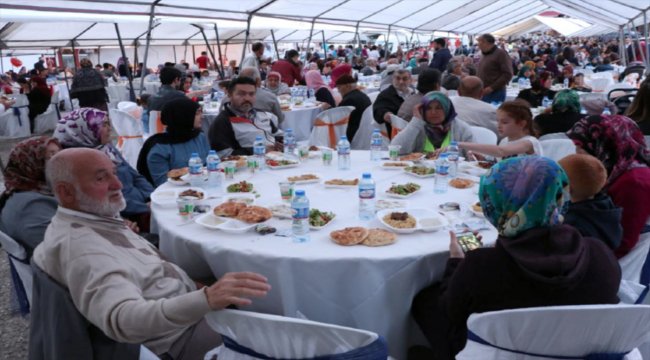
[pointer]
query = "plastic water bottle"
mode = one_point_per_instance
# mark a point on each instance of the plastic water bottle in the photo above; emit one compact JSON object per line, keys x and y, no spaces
{"x":375,"y":145}
{"x":310,"y":94}
{"x":366,"y":197}
{"x":343,"y":149}
{"x":300,"y":217}
{"x":452,"y":157}
{"x":289,"y":142}
{"x":521,"y":82}
{"x":214,"y":175}
{"x":442,"y":171}
{"x":527,"y":83}
{"x":606,"y":111}
{"x":259,"y":150}
{"x":565,"y":83}
{"x":195,"y":166}
{"x":546,"y":102}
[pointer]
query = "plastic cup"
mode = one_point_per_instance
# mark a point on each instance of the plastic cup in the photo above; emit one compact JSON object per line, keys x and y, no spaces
{"x":286,"y":191}
{"x":303,"y":152}
{"x":229,"y":170}
{"x":393,"y":151}
{"x":252,"y":164}
{"x":185,"y":207}
{"x":327,"y":157}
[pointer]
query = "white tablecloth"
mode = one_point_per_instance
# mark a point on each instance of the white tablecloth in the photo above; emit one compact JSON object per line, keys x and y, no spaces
{"x":358,"y":286}
{"x":300,"y":120}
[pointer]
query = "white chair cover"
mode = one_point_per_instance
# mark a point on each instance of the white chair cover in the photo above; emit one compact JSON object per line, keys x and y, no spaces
{"x":483,"y":135}
{"x":155,"y":125}
{"x":361,"y":140}
{"x":559,"y":135}
{"x":129,"y":132}
{"x":131,"y":108}
{"x":146,"y":354}
{"x":557,"y":149}
{"x":279,"y":337}
{"x":635,"y":276}
{"x":373,"y":96}
{"x":14,"y":122}
{"x":329,"y":126}
{"x":46,"y":121}
{"x":569,"y":331}
{"x":18,"y":257}
{"x":397,"y":123}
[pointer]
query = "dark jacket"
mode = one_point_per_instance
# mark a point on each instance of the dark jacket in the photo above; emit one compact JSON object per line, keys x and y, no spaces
{"x":495,"y":69}
{"x":440,"y":59}
{"x":598,"y":218}
{"x":535,"y":99}
{"x":556,"y":122}
{"x":166,"y":94}
{"x":387,"y":101}
{"x":325,"y":95}
{"x":360,"y":101}
{"x":546,"y":266}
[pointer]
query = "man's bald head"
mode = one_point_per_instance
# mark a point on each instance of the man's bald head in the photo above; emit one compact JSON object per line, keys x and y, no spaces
{"x":471,"y":86}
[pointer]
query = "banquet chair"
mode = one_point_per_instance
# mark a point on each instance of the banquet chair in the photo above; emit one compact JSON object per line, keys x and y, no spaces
{"x":48,"y":120}
{"x":14,"y":122}
{"x":558,"y":332}
{"x":373,"y":96}
{"x":483,"y":135}
{"x":155,"y":124}
{"x":559,"y":135}
{"x":635,"y":269}
{"x":329,"y":126}
{"x":129,"y":135}
{"x":59,"y":331}
{"x":397,"y":124}
{"x":21,"y":272}
{"x":361,"y":140}
{"x":557,"y":149}
{"x":277,"y":337}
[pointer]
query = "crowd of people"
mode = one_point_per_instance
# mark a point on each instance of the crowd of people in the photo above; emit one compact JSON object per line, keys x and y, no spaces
{"x":83,"y":212}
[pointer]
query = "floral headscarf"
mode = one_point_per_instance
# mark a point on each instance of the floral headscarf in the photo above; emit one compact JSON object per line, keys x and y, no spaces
{"x":25,"y":169}
{"x":615,"y":140}
{"x":81,"y":128}
{"x":437,"y":133}
{"x":566,"y":101}
{"x":522,"y":193}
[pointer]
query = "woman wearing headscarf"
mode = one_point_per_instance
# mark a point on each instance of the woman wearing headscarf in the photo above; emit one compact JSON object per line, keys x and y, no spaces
{"x":618,"y":143}
{"x":565,"y":112}
{"x":536,"y":261}
{"x":275,"y":85}
{"x":88,"y":87}
{"x":540,"y":89}
{"x":434,"y":126}
{"x":639,"y":110}
{"x":315,"y":82}
{"x":39,"y":97}
{"x":567,"y":73}
{"x":339,"y":71}
{"x":172,"y":149}
{"x":91,"y":128}
{"x":524,"y":73}
{"x":289,"y":68}
{"x":27,"y":204}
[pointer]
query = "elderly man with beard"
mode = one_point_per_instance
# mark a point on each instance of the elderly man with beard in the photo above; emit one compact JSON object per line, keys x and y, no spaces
{"x":234,"y":130}
{"x":389,"y":100}
{"x":117,"y":280}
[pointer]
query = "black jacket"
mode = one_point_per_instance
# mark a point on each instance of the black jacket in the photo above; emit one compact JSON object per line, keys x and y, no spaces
{"x":360,"y":101}
{"x":556,"y":122}
{"x":598,"y":218}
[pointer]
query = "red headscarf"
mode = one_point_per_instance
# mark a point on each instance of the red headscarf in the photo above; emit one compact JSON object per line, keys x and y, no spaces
{"x":337,"y":72}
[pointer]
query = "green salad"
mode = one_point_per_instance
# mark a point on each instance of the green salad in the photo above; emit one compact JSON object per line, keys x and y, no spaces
{"x":405,"y":189}
{"x":319,"y":218}
{"x":420,"y":170}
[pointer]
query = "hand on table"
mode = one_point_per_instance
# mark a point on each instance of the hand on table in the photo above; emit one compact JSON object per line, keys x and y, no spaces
{"x":472,"y":156}
{"x":236,"y":289}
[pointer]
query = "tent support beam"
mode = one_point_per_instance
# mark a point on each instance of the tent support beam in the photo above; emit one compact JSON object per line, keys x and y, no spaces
{"x":207,"y":44}
{"x":286,"y":36}
{"x":126,"y":63}
{"x":629,"y":31}
{"x":146,"y":46}
{"x":647,"y":46}
{"x":357,"y":36}
{"x":622,"y":46}
{"x":324,"y":44}
{"x":386,"y":51}
{"x":275,"y":44}
{"x":248,"y":30}
{"x":311,"y":32}
{"x":219,"y":66}
{"x":174,"y":48}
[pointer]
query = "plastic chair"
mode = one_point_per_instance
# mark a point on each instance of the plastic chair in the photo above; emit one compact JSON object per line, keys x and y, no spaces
{"x":20,"y":262}
{"x":129,"y":131}
{"x":361,"y":140}
{"x":329,"y":126}
{"x":483,"y":136}
{"x":550,"y":136}
{"x":14,"y":122}
{"x":48,"y":120}
{"x":373,"y":96}
{"x":623,"y":98}
{"x":635,"y":268}
{"x":155,"y":124}
{"x":566,"y":332}
{"x":397,"y":124}
{"x":557,"y":149}
{"x":278,"y":337}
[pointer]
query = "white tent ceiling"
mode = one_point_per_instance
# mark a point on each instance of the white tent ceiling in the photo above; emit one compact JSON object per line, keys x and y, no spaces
{"x":32,"y":26}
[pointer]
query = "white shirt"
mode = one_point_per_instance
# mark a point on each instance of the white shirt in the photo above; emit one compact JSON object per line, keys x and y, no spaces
{"x":537,"y":147}
{"x":475,"y":112}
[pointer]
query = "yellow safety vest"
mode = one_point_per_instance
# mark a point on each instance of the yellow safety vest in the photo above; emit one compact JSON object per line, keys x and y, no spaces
{"x":428,"y":146}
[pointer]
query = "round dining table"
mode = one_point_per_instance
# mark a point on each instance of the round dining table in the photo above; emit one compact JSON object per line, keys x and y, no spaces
{"x":301,"y":120}
{"x":369,"y":288}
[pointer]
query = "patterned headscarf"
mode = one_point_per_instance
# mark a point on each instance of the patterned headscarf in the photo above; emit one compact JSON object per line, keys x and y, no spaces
{"x":25,"y":169}
{"x":566,"y":101}
{"x":314,"y":80}
{"x":82,"y":128}
{"x":522,"y":72}
{"x":615,"y":140}
{"x":437,"y":133}
{"x":522,"y":193}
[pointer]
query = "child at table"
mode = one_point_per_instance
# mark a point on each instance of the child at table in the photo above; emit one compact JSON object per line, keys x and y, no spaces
{"x":591,"y":211}
{"x":515,"y":125}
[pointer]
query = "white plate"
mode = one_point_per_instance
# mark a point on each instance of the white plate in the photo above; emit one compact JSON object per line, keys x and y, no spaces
{"x":398,"y":196}
{"x":283,"y":166}
{"x":383,"y":165}
{"x":326,"y":225}
{"x":333,"y":186}
{"x":418,"y":175}
{"x":281,"y":211}
{"x":210,"y":221}
{"x":310,"y":181}
{"x":234,"y":226}
{"x":247,"y":198}
{"x":476,"y":213}
{"x":177,"y":182}
{"x":382,"y":204}
{"x":382,"y":213}
{"x":165,"y":198}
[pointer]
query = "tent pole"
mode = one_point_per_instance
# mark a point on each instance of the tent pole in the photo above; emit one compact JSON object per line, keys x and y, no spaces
{"x":386,"y":49}
{"x":126,"y":63}
{"x":67,"y":85}
{"x":207,"y":44}
{"x":324,"y":44}
{"x":275,"y":44}
{"x":219,"y":69}
{"x":311,"y":31}
{"x":647,"y":45}
{"x":74,"y":55}
{"x":248,"y":29}
{"x":185,"y":53}
{"x":135,"y":54}
{"x":174,"y":48}
{"x":629,"y":30}
{"x":99,"y":61}
{"x":193,"y":54}
{"x":358,"y":37}
{"x":621,"y":46}
{"x":2,"y":67}
{"x":146,"y":47}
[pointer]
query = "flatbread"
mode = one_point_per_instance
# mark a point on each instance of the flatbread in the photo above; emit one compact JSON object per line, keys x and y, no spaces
{"x":379,"y":237}
{"x":254,"y":214}
{"x":175,"y":174}
{"x":460,"y":183}
{"x":349,"y":235}
{"x":229,"y":209}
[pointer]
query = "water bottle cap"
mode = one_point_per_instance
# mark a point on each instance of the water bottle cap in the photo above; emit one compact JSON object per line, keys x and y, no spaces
{"x":212,"y":152}
{"x":288,"y":130}
{"x":195,"y":154}
{"x":300,"y":192}
{"x":454,"y":143}
{"x":258,"y":138}
{"x":366,"y":175}
{"x":343,"y":137}
{"x":375,"y":131}
{"x":443,"y":155}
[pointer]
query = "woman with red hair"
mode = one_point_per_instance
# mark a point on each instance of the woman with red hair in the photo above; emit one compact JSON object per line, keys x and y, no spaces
{"x":540,"y":89}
